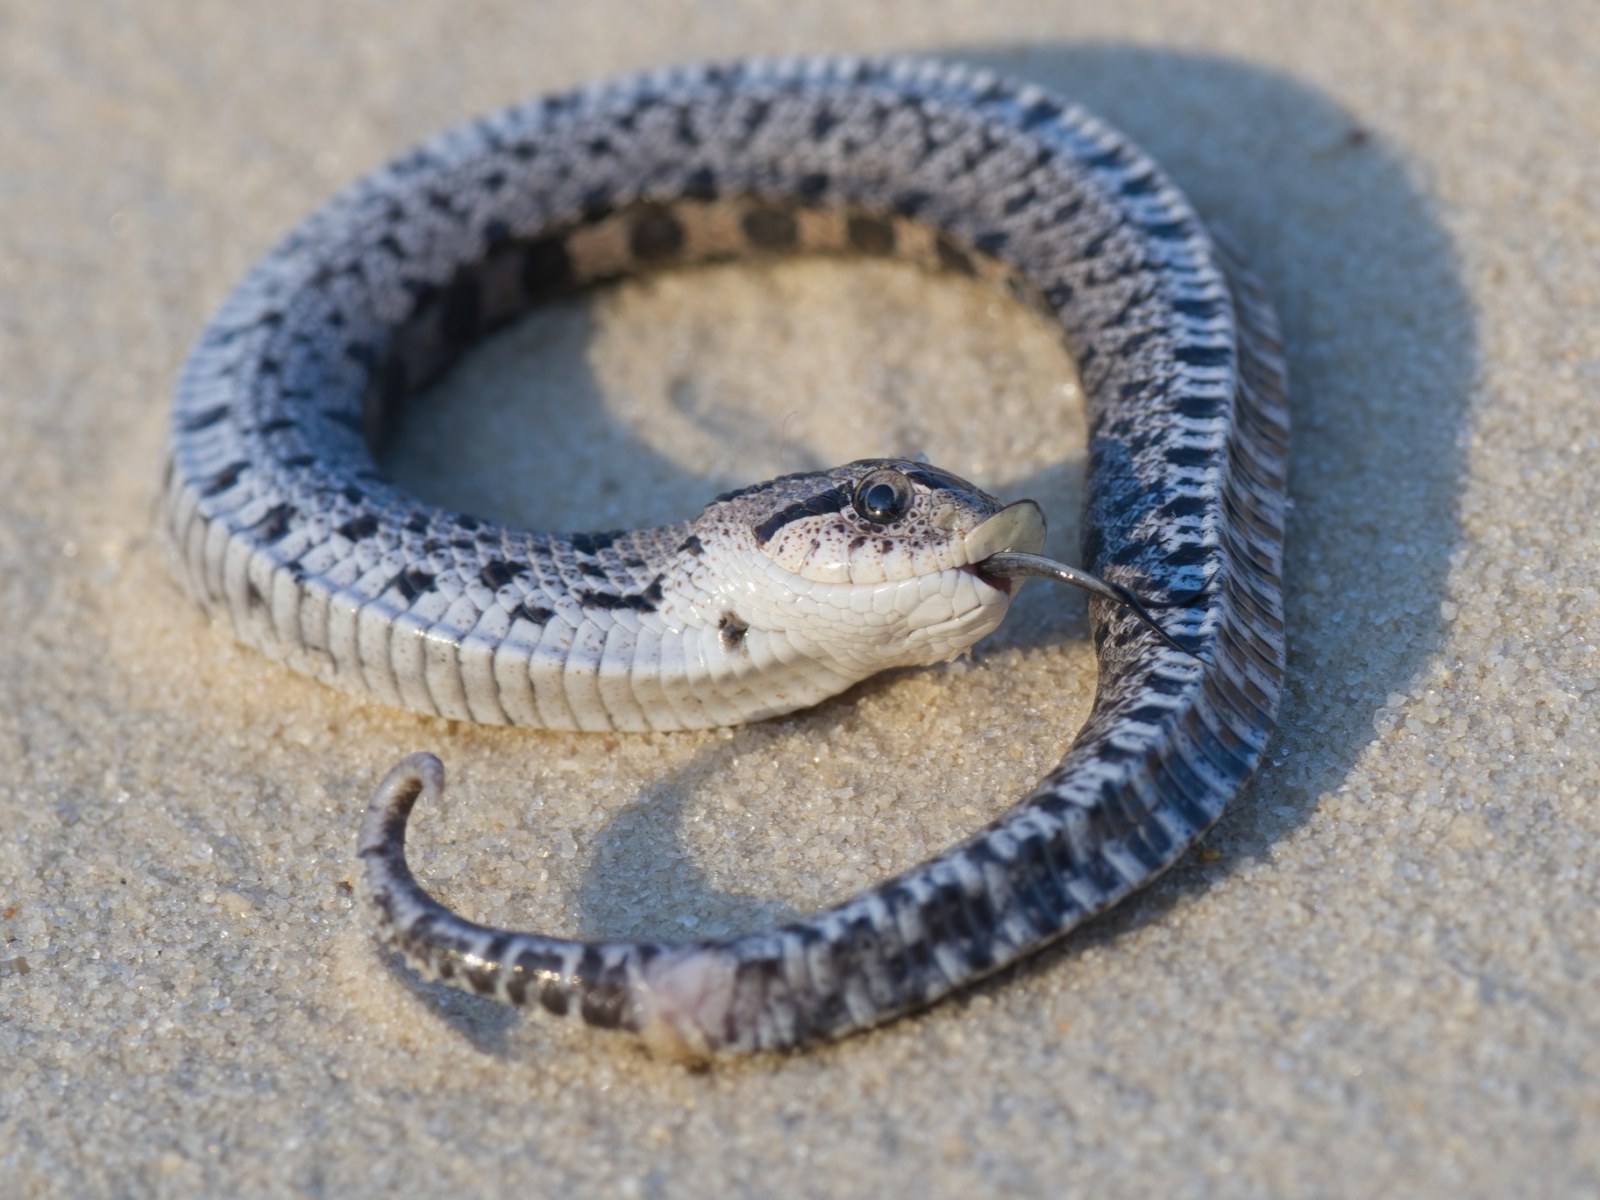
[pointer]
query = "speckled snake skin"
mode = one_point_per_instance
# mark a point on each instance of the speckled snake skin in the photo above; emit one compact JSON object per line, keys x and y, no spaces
{"x":286,"y":529}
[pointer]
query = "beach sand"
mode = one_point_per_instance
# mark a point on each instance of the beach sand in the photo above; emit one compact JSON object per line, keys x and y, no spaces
{"x":1377,"y":976}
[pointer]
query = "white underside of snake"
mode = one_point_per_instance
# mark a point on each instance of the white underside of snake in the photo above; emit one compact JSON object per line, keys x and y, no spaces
{"x":786,"y":592}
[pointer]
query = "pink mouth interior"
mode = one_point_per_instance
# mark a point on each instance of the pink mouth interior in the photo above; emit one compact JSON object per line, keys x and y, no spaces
{"x":1000,"y":583}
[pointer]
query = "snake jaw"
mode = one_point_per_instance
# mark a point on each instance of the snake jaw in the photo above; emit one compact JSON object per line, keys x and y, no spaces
{"x":1018,"y":527}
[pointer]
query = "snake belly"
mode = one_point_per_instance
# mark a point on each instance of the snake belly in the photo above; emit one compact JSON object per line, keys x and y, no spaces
{"x":286,"y":530}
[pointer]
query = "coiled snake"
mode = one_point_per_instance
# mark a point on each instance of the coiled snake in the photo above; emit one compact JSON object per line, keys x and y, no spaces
{"x":789,"y":591}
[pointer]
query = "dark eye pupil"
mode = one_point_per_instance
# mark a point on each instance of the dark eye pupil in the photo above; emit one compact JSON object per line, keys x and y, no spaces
{"x":883,"y":497}
{"x":881,"y":500}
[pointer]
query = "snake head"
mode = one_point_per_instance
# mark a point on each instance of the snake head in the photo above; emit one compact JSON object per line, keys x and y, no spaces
{"x":875,"y":564}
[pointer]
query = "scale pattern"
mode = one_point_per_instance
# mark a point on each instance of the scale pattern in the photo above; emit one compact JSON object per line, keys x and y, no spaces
{"x":285,"y":528}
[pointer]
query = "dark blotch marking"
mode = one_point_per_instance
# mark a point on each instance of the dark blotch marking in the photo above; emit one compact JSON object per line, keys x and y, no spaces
{"x":701,"y":184}
{"x":1136,"y":341}
{"x":495,"y":952}
{"x":1189,"y":556}
{"x":1067,"y":211}
{"x":732,"y":631}
{"x":692,"y":545}
{"x":482,"y":978}
{"x":755,"y":116}
{"x":497,"y":573}
{"x":496,"y":233}
{"x":225,"y":478}
{"x":360,"y":528}
{"x":824,"y":122}
{"x":1140,"y":185}
{"x":1204,"y":356}
{"x":553,"y":999}
{"x":593,"y":543}
{"x":909,"y":204}
{"x":516,"y":987}
{"x":992,"y":242}
{"x":1198,"y":407}
{"x":831,"y":501}
{"x":683,"y":129}
{"x":1132,"y":552}
{"x":204,"y":420}
{"x":1149,"y":714}
{"x":1170,"y":231}
{"x":1058,"y":296}
{"x":538,"y":614}
{"x":1189,"y":456}
{"x":413,"y":582}
{"x":1200,"y":310}
{"x":1015,"y":204}
{"x":602,"y":999}
{"x":770,"y":228}
{"x":1039,"y":113}
{"x":656,"y":234}
{"x":605,"y":1005}
{"x":643,"y":602}
{"x":869,"y":234}
{"x":253,"y":596}
{"x":813,"y":187}
{"x":273,"y":524}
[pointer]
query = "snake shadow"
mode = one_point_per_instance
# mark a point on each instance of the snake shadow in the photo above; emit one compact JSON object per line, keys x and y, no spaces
{"x":1382,"y":352}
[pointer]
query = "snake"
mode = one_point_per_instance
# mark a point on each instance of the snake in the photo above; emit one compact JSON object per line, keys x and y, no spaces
{"x":785,"y":592}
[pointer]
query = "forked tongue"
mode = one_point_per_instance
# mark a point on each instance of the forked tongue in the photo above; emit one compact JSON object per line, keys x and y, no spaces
{"x":1007,"y":546}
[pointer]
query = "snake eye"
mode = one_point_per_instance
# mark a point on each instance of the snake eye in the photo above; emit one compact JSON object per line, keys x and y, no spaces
{"x":883,"y":497}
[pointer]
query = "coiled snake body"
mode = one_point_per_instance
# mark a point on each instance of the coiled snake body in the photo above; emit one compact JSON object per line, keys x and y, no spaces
{"x":786,"y":592}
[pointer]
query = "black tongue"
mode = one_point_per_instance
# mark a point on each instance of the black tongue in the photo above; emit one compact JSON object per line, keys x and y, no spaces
{"x":1012,"y":564}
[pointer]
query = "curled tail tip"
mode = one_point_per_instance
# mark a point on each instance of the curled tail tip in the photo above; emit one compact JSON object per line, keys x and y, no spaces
{"x":420,"y":765}
{"x":383,"y":827}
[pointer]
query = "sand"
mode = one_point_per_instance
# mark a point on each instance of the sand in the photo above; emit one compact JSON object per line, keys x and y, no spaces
{"x":1377,"y":977}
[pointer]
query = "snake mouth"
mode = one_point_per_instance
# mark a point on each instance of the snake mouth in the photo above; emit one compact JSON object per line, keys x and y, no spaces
{"x":1016,"y":528}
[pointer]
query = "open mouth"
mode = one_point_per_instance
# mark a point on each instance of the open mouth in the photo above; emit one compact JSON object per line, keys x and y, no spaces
{"x":1004,"y":551}
{"x":1000,"y":583}
{"x":1016,"y":528}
